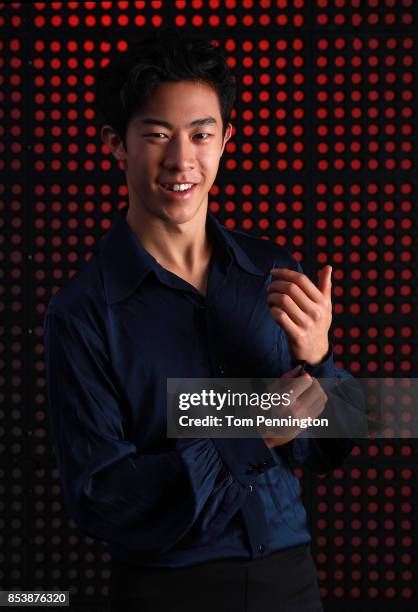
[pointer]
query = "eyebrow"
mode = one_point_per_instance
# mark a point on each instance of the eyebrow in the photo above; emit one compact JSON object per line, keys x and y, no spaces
{"x":154,"y":121}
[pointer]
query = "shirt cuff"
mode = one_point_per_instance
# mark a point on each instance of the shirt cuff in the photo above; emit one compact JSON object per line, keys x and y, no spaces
{"x":324,"y":369}
{"x":245,"y":457}
{"x":297,"y":451}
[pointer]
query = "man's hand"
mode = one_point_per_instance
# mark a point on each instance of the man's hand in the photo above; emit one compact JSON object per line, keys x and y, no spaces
{"x":303,"y":310}
{"x":308,"y":400}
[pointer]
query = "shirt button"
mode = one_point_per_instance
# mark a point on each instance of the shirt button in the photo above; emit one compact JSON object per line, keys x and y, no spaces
{"x":249,"y":470}
{"x":263,"y":464}
{"x":221,"y":370}
{"x":261,"y":548}
{"x":250,"y":488}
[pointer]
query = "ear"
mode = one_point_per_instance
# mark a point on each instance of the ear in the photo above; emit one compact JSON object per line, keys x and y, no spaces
{"x":228,"y":134}
{"x":112,"y":139}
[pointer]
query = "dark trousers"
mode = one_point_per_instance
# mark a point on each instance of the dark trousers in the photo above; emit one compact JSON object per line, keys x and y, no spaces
{"x":285,"y":581}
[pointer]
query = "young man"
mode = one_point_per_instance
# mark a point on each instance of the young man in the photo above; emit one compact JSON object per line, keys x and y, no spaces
{"x":193,"y":524}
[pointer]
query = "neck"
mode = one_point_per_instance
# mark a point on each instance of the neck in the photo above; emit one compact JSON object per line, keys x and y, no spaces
{"x":176,"y":246}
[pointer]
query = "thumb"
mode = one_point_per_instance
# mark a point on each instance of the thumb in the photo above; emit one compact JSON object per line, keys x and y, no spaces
{"x":324,"y":280}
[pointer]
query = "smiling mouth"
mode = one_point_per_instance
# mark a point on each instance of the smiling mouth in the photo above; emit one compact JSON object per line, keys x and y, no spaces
{"x":177,"y":187}
{"x":177,"y":194}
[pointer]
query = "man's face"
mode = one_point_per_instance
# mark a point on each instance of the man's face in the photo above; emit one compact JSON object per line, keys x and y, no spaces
{"x":175,"y":139}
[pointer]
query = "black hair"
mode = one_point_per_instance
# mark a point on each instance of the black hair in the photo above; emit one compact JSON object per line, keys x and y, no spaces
{"x":127,"y":82}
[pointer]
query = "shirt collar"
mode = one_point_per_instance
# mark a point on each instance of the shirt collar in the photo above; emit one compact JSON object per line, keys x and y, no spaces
{"x":125,"y":262}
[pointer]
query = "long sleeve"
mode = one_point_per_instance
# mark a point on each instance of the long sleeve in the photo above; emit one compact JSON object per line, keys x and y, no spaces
{"x":112,"y":490}
{"x":346,"y":410}
{"x":322,"y":455}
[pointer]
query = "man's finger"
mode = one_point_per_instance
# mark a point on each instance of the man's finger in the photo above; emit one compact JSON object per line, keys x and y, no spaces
{"x":303,"y":281}
{"x":296,"y":388}
{"x":289,"y":306}
{"x":296,"y":293}
{"x":324,"y":281}
{"x":301,"y":385}
{"x":292,"y":373}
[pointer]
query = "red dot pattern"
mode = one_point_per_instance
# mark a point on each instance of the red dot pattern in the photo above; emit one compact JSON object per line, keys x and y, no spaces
{"x":322,"y":161}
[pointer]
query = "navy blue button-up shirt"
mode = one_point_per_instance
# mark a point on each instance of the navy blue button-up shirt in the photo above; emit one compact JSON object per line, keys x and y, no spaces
{"x":113,"y":335}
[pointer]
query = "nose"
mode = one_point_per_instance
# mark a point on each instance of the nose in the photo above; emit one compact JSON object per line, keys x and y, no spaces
{"x":179,"y":154}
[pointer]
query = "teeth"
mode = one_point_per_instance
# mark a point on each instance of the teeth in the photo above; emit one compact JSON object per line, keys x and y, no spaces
{"x":178,"y":186}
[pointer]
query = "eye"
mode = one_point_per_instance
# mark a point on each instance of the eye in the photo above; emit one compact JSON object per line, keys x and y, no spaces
{"x":156,"y":134}
{"x":206,"y":134}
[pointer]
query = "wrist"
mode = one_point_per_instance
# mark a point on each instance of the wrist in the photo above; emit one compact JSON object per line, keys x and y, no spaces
{"x":320,"y":357}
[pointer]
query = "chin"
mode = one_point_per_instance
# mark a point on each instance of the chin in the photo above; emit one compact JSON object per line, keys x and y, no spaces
{"x":178,"y":212}
{"x":179,"y":216}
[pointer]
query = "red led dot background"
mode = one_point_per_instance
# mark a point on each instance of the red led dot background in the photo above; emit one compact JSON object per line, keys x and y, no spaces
{"x":323,"y":160}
